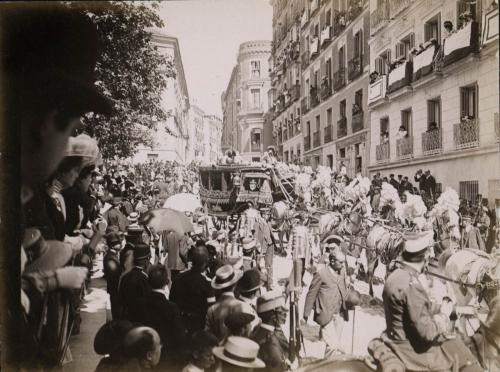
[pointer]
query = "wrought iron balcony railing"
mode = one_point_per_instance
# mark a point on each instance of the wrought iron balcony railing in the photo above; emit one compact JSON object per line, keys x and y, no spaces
{"x":339,"y":79}
{"x":314,"y":97}
{"x":342,"y":128}
{"x":397,"y":6}
{"x":355,"y":67}
{"x":316,"y":139}
{"x":295,"y":92}
{"x":466,"y":134}
{"x":328,"y":134}
{"x":404,"y":147}
{"x":304,"y":105}
{"x":307,"y":143}
{"x":382,"y":153}
{"x":431,"y":142}
{"x":357,"y":121}
{"x":326,"y":89}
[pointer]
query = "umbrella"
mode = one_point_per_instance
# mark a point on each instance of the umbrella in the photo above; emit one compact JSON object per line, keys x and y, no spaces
{"x":183,"y":202}
{"x":166,"y":219}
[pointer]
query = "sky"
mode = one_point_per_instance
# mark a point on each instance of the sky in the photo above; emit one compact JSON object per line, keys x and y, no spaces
{"x":209,"y":33}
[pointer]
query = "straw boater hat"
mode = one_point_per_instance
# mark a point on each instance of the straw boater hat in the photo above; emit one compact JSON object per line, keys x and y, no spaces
{"x":133,"y":217}
{"x":225,"y":277}
{"x":240,"y":351}
{"x":269,"y":301}
{"x":248,"y":244}
{"x":250,"y":281}
{"x":416,"y":245}
{"x":46,"y":255}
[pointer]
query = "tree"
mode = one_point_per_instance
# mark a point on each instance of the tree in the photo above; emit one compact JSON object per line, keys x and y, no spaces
{"x":131,"y":72}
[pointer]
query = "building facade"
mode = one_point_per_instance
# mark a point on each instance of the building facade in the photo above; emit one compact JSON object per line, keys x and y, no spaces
{"x":212,"y":138}
{"x":177,"y":145}
{"x":243,"y":102}
{"x":198,"y":132}
{"x":320,"y":82}
{"x":433,"y":101}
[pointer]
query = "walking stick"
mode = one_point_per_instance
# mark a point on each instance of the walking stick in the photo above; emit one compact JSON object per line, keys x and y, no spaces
{"x":353,"y":329}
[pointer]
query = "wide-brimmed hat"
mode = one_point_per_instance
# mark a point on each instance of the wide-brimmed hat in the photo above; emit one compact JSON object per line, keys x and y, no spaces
{"x":109,"y":338}
{"x":269,"y":301}
{"x":83,"y":146}
{"x":45,"y":255}
{"x":248,"y":244}
{"x":250,"y":281}
{"x":225,"y":277}
{"x":240,"y":351}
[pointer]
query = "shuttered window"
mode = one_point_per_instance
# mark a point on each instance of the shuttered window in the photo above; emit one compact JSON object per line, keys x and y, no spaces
{"x":468,"y":102}
{"x":432,"y":29}
{"x":358,"y":44}
{"x":434,"y":112}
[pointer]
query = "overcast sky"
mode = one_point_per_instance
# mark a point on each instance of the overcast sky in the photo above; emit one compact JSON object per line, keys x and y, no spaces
{"x":209,"y":33}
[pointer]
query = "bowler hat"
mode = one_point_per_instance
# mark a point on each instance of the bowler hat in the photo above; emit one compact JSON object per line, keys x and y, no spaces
{"x":250,"y":281}
{"x":113,"y":239}
{"x":83,"y":146}
{"x":53,"y":48}
{"x":225,"y":277}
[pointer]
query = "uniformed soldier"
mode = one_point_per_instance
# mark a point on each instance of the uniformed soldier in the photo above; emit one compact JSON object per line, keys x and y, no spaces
{"x":112,"y":270}
{"x":273,"y":343}
{"x":417,"y":327}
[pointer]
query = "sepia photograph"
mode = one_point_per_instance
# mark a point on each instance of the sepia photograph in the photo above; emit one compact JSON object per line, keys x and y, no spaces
{"x":245,"y":185}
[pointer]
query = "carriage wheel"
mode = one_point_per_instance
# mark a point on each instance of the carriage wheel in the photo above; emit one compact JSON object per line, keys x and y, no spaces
{"x":56,"y":332}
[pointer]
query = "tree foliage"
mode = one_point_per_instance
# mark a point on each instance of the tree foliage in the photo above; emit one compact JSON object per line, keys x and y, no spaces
{"x":131,"y":72}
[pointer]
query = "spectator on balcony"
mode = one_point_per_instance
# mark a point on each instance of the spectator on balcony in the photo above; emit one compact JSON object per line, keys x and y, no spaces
{"x":448,"y":28}
{"x":355,"y":109}
{"x":385,"y":137}
{"x":402,"y":132}
{"x":432,"y":127}
{"x":374,"y":76}
{"x":343,"y":169}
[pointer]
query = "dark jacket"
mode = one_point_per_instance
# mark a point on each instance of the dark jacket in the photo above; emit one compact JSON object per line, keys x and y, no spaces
{"x":133,"y":286}
{"x":190,"y":292}
{"x":271,"y":351}
{"x":164,"y":316}
{"x":394,"y":183}
{"x":430,"y":185}
{"x":421,"y":179}
{"x":36,"y":215}
{"x":116,"y":218}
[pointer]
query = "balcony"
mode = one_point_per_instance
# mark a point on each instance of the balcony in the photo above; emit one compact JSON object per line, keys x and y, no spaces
{"x":357,"y":121}
{"x":304,"y":105}
{"x":342,"y":128}
{"x":307,"y":143}
{"x":314,"y":97}
{"x":295,"y":92}
{"x":305,"y":59}
{"x":326,"y":88}
{"x":328,"y":134}
{"x":296,"y":123}
{"x":256,"y":147}
{"x":461,"y":43}
{"x":355,"y":67}
{"x":397,"y":6}
{"x":257,"y":108}
{"x":423,"y":63}
{"x":377,"y":89}
{"x":466,"y":134}
{"x":432,"y":142}
{"x":382,"y":153}
{"x":339,"y":23}
{"x":295,"y":51}
{"x":339,"y":79}
{"x":313,"y":52}
{"x":316,"y":139}
{"x":314,"y":6}
{"x":379,"y":18}
{"x":404,"y":148}
{"x":326,"y":36}
{"x":400,"y":77}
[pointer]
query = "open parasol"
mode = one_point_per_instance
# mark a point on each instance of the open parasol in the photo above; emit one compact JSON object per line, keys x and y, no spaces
{"x":166,"y":219}
{"x":183,"y":202}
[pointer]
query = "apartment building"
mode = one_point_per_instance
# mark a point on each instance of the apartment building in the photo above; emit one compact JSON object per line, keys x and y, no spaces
{"x":433,"y":102}
{"x":212,"y":138}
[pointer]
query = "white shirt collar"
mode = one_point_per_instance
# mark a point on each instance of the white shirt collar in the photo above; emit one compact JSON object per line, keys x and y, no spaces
{"x":270,"y":328}
{"x":192,"y":368}
{"x":228,"y":294}
{"x":161,"y":291}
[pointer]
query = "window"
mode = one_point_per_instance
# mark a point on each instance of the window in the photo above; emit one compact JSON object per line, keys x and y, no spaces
{"x":255,"y":98}
{"x":256,"y":137}
{"x":403,"y":48}
{"x":468,"y":102}
{"x":382,"y":61}
{"x":341,"y":58}
{"x":255,"y":69}
{"x":307,"y":88}
{"x":342,"y":153}
{"x":432,"y":29}
{"x":469,"y":190}
{"x":342,"y":107}
{"x":298,"y":152}
{"x":316,"y":30}
{"x":384,"y":130}
{"x":316,"y":78}
{"x":464,"y":7}
{"x":328,"y":117}
{"x":152,"y":156}
{"x":358,"y":44}
{"x":328,"y":17}
{"x":406,"y":120}
{"x":434,"y":112}
{"x":256,"y":159}
{"x":358,"y":99}
{"x":329,"y":159}
{"x":308,"y":128}
{"x":328,"y":67}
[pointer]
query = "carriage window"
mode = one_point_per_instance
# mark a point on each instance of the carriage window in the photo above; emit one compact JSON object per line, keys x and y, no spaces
{"x":205,"y":180}
{"x":216,"y":181}
{"x":228,"y":180}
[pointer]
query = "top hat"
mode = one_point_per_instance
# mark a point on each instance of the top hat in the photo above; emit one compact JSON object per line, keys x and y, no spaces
{"x":54,"y":47}
{"x":240,"y":351}
{"x":141,"y":251}
{"x":269,"y":301}
{"x":109,"y":338}
{"x":225,"y":277}
{"x":250,"y":281}
{"x":46,"y":255}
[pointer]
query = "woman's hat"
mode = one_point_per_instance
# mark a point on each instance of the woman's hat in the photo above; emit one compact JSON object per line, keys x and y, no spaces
{"x":225,"y":277}
{"x":109,"y":338}
{"x":269,"y":301}
{"x":83,"y":146}
{"x":46,"y":255}
{"x":334,"y":240}
{"x":240,"y":351}
{"x":250,"y":281}
{"x":248,"y":244}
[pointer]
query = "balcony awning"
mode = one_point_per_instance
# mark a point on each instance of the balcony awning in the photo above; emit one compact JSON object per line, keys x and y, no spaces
{"x":400,"y":77}
{"x":461,"y":43}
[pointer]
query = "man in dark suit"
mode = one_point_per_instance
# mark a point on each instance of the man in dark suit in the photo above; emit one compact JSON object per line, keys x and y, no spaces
{"x":135,"y":284}
{"x":192,"y":293}
{"x":430,"y":185}
{"x":327,"y":295}
{"x":393,"y":181}
{"x":420,"y":177}
{"x":157,"y":312}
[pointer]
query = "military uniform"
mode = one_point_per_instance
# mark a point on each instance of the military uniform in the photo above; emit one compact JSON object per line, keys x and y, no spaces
{"x":272,"y":350}
{"x":414,"y":326}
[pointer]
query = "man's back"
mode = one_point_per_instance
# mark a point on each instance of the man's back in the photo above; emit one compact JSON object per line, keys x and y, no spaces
{"x":225,"y":305}
{"x":133,"y":286}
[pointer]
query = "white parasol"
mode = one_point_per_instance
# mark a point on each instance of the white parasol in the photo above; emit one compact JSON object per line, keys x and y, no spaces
{"x":165,"y":219}
{"x":183,"y":202}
